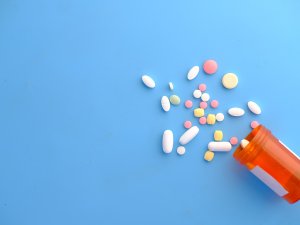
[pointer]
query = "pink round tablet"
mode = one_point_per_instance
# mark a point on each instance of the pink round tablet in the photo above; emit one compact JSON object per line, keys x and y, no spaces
{"x":234,"y":140}
{"x":188,"y":104}
{"x":203,"y":105}
{"x":254,"y":124}
{"x":202,"y":87}
{"x":210,"y":66}
{"x":187,"y":124}
{"x":214,"y":103}
{"x":202,"y":120}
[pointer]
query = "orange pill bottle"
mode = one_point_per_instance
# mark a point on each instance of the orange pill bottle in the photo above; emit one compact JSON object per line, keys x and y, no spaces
{"x":272,"y":162}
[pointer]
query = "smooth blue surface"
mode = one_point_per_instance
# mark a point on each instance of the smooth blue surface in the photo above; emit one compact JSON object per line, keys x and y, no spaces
{"x":80,"y":139}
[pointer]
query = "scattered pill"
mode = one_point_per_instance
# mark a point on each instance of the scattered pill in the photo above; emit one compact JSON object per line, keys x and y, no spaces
{"x":254,"y":124}
{"x":197,"y":93}
{"x":244,"y":143}
{"x":189,"y":135}
{"x":165,"y":103}
{"x":187,"y":124}
{"x":171,"y":86}
{"x":199,"y":112}
{"x":220,"y":117}
{"x":188,"y":104}
{"x":203,"y":105}
{"x":209,"y":155}
{"x":192,"y":74}
{"x":210,"y":66}
{"x":205,"y":97}
{"x":234,"y":141}
{"x":202,"y":87}
{"x":174,"y":99}
{"x":219,"y":146}
{"x":230,"y":80}
{"x":254,"y":107}
{"x":148,"y":81}
{"x":214,"y":103}
{"x":236,"y":111}
{"x":211,"y":119}
{"x":181,"y":150}
{"x":167,"y":141}
{"x":202,"y":120}
{"x":218,"y":135}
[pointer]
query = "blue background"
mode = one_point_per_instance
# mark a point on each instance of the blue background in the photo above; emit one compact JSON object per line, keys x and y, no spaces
{"x":80,"y":139}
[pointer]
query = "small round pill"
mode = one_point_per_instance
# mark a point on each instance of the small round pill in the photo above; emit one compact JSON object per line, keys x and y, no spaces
{"x":203,"y":105}
{"x":187,"y":124}
{"x":230,"y":80}
{"x":202,"y":87}
{"x":254,"y":124}
{"x":214,"y":104}
{"x":202,"y":120}
{"x":197,"y":93}
{"x":234,"y":141}
{"x":174,"y":99}
{"x":210,"y":66}
{"x":181,"y":150}
{"x":209,"y":155}
{"x":205,"y":97}
{"x":188,"y":104}
{"x":220,"y":117}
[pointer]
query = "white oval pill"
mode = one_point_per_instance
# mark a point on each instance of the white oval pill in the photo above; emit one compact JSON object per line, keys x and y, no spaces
{"x":171,"y":86}
{"x":148,"y":81}
{"x":181,"y":150}
{"x":236,"y":111}
{"x":189,"y":135}
{"x":219,"y":146}
{"x":254,"y":107}
{"x":197,"y":94}
{"x":205,"y":97}
{"x":220,"y":117}
{"x":165,"y":103}
{"x":192,"y":74}
{"x":167,"y":141}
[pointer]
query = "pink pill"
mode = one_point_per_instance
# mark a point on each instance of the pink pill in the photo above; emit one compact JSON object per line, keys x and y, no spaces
{"x":188,"y":104}
{"x":210,"y":66}
{"x":254,"y":124}
{"x":214,"y":103}
{"x":234,"y":141}
{"x":187,"y":124}
{"x":203,"y":105}
{"x":202,"y":87}
{"x":202,"y":120}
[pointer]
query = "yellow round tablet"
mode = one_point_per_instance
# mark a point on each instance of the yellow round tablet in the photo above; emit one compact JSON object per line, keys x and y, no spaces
{"x":230,"y":80}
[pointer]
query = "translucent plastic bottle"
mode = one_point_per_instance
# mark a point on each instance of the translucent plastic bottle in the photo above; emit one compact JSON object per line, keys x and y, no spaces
{"x":272,"y":162}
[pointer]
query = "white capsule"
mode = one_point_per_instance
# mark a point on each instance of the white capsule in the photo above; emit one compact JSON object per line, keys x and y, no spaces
{"x":192,"y":74}
{"x":220,"y":117}
{"x":205,"y":97}
{"x":244,"y":143}
{"x":189,"y":135}
{"x":236,"y":111}
{"x":219,"y":146}
{"x":165,"y":103}
{"x":254,"y":107}
{"x":167,"y":142}
{"x":171,"y":86}
{"x":148,"y":81}
{"x":181,"y":150}
{"x":197,"y":94}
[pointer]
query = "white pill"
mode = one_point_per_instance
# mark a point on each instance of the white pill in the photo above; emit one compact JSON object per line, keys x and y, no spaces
{"x":254,"y":107}
{"x":167,"y":142}
{"x":165,"y":103}
{"x":219,"y":146}
{"x":197,"y":94}
{"x":171,"y":86}
{"x":148,"y":81}
{"x":220,"y":117}
{"x":189,"y":135}
{"x":236,"y":111}
{"x":181,"y":150}
{"x":205,"y":97}
{"x":244,"y":143}
{"x":192,"y":74}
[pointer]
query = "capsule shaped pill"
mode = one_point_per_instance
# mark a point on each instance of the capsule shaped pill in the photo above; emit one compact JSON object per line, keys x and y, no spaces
{"x":165,"y":103}
{"x":192,"y":74}
{"x":189,"y":135}
{"x":219,"y":146}
{"x":167,"y":141}
{"x":254,"y":107}
{"x":148,"y":81}
{"x":236,"y":111}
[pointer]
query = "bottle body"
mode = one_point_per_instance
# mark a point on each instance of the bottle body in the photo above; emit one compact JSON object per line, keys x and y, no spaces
{"x":272,"y":162}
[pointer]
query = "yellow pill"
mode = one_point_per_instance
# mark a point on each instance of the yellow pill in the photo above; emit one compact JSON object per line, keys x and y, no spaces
{"x":199,"y":112}
{"x":211,"y":119}
{"x":209,"y":155}
{"x":218,"y":135}
{"x":230,"y":80}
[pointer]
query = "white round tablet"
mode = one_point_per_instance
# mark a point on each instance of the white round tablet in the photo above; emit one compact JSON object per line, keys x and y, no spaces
{"x":220,"y":117}
{"x":181,"y":150}
{"x":205,"y":97}
{"x":197,"y":94}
